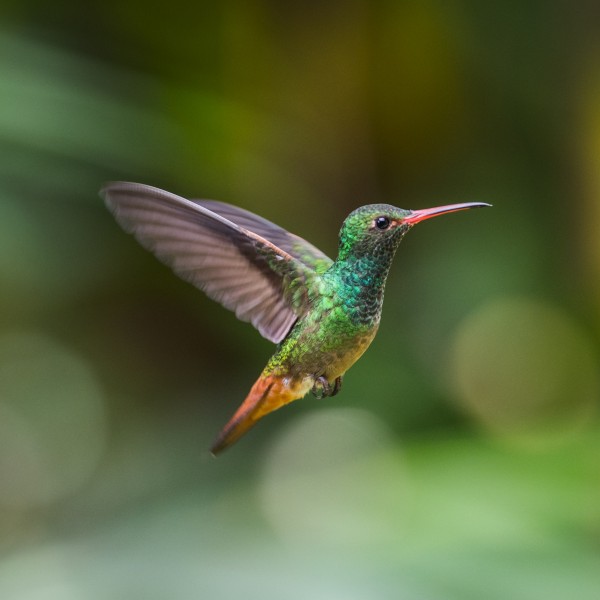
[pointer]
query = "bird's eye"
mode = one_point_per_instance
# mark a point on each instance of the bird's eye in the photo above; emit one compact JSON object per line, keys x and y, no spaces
{"x":382,"y":223}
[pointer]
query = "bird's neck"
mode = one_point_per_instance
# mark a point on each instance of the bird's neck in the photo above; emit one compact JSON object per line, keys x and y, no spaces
{"x":359,"y":282}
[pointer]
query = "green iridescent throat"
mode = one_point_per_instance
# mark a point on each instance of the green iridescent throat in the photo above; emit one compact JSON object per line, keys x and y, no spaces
{"x":360,"y":272}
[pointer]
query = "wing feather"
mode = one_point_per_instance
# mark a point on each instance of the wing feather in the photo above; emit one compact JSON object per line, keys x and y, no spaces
{"x":294,"y":245}
{"x":233,"y":264}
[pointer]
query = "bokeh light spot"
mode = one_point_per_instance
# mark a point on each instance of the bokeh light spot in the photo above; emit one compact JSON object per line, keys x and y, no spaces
{"x":525,"y":368}
{"x":52,"y":420}
{"x":322,"y":480}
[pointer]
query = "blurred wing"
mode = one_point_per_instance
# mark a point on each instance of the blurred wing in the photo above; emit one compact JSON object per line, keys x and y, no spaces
{"x":294,"y":245}
{"x":238,"y":268}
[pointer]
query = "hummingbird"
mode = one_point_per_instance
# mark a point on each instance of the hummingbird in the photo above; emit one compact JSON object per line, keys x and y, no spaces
{"x":322,"y":313}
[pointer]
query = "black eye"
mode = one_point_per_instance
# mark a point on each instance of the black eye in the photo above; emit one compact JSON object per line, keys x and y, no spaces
{"x":382,"y":223}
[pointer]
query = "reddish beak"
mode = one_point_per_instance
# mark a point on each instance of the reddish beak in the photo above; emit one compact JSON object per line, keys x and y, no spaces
{"x":416,"y":216}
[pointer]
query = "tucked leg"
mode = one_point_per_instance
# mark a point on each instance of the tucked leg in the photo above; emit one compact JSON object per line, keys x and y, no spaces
{"x":321,"y":388}
{"x":337,"y":386}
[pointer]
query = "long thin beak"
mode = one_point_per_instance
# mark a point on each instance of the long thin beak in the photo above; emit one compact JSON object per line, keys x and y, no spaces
{"x":416,"y":216}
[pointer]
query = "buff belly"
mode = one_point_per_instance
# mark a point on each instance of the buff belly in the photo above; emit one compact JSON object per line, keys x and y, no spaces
{"x":338,"y":362}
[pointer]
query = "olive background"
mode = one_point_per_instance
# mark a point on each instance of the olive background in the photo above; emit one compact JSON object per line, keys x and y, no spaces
{"x":462,"y":458}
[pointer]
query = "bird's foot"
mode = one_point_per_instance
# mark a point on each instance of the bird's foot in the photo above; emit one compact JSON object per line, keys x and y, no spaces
{"x":337,"y":386}
{"x":322,"y":388}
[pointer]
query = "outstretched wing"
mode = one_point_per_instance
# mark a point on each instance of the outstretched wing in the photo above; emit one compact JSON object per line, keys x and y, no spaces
{"x":233,"y":265}
{"x":292,"y":244}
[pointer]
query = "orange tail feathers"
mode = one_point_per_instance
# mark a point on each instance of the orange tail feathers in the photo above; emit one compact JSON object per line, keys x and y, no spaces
{"x":267,"y":394}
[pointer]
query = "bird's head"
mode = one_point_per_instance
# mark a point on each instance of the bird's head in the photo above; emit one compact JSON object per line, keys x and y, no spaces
{"x":379,"y":228}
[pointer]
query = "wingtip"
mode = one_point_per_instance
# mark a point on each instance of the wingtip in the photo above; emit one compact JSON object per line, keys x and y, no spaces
{"x":112,"y":186}
{"x":103,"y":189}
{"x":109,"y":184}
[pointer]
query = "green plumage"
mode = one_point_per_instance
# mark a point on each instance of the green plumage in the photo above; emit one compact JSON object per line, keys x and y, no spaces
{"x":345,"y":302}
{"x":323,"y":314}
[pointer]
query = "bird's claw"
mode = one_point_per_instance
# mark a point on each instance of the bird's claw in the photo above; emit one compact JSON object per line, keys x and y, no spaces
{"x":337,"y":386}
{"x":322,"y":388}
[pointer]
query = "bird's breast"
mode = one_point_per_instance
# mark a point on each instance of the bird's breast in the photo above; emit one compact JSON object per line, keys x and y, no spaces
{"x":332,"y":335}
{"x":325,"y":342}
{"x":346,"y":354}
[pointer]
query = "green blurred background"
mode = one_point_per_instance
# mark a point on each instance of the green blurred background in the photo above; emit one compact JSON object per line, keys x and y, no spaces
{"x":461,"y":461}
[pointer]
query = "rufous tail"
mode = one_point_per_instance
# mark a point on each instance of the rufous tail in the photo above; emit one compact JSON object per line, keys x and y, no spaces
{"x":268,"y":394}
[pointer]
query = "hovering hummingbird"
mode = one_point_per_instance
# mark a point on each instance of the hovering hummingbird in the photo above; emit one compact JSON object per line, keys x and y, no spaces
{"x":323,"y":314}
